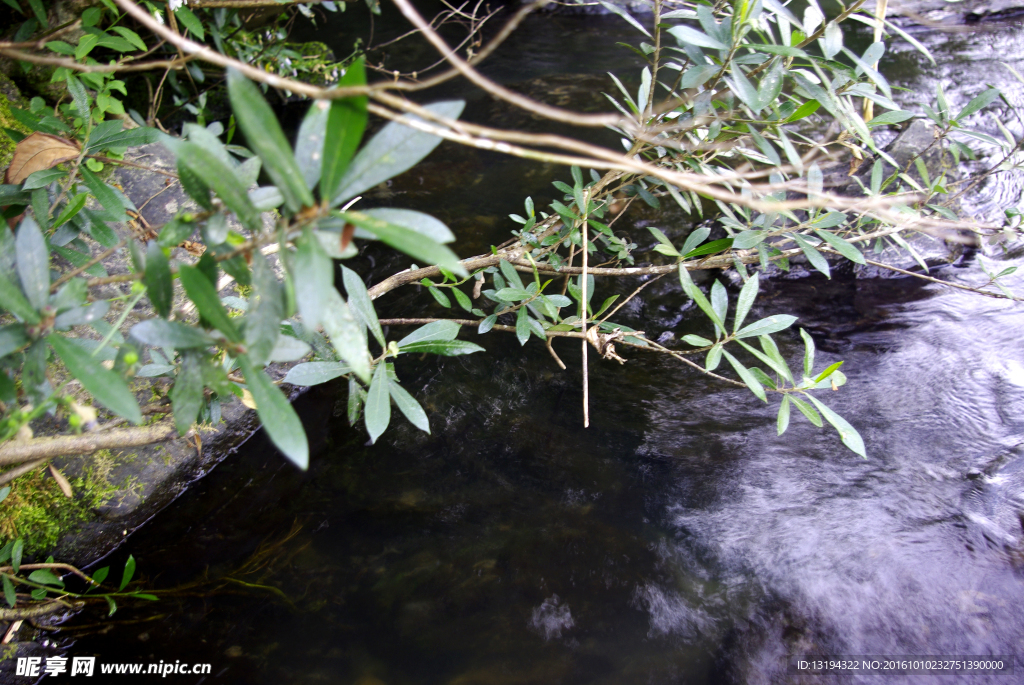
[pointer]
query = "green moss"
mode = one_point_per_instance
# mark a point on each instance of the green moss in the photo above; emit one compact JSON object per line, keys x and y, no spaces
{"x":8,"y":95}
{"x":38,"y":512}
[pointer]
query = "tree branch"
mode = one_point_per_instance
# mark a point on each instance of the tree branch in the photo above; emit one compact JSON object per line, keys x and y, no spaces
{"x":39,"y":448}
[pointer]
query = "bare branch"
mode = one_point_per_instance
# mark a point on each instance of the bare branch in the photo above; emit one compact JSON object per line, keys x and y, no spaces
{"x":15,"y":452}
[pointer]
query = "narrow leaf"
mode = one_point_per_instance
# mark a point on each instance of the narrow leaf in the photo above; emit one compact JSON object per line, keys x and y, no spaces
{"x":783,"y":419}
{"x":106,"y":386}
{"x":394,"y":149}
{"x":847,"y":433}
{"x":266,"y":138}
{"x":377,"y":411}
{"x":360,"y":303}
{"x":33,"y":262}
{"x":204,"y":296}
{"x":408,"y":405}
{"x":276,"y":414}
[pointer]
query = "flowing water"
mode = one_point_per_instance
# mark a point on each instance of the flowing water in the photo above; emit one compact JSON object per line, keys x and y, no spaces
{"x":677,"y":540}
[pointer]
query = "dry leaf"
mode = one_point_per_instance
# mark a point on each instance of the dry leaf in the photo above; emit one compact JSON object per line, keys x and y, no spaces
{"x":346,"y":235}
{"x":65,"y":486}
{"x":247,"y":398}
{"x":193,"y":248}
{"x":37,"y":152}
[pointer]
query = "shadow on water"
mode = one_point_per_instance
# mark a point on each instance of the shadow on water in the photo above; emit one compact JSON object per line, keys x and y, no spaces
{"x":677,"y":540}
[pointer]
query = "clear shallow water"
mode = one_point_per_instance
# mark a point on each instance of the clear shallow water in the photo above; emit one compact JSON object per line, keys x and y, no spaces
{"x":675,"y":541}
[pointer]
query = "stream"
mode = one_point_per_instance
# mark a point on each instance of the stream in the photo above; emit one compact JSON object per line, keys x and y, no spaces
{"x":678,"y":539}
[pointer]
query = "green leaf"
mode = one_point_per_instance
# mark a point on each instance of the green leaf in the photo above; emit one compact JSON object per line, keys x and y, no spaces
{"x":40,"y":12}
{"x":407,"y":240}
{"x":129,"y":573}
{"x":204,"y":296}
{"x":101,"y":575}
{"x":16,"y":552}
{"x":309,"y":143}
{"x":170,"y":334}
{"x":215,"y":174}
{"x":191,"y":22}
{"x":808,"y":353}
{"x":347,"y":335}
{"x":804,"y":110}
{"x":698,"y":75}
{"x":719,"y":302}
{"x":113,"y":208}
{"x":847,"y":433}
{"x":522,"y":325}
{"x":315,"y":373}
{"x":313,"y":275}
{"x":193,"y":184}
{"x":396,"y":148}
{"x":783,"y":419}
{"x":72,"y":208}
{"x":714,"y":357}
{"x":436,"y":330}
{"x":744,"y":89}
{"x":377,"y":411}
{"x":980,"y":102}
{"x":697,"y":341}
{"x":133,"y":137}
{"x":487,"y":324}
{"x":463,"y":299}
{"x":157,"y":279}
{"x":691,"y":289}
{"x":33,"y":263}
{"x":746,"y":300}
{"x":512,"y":295}
{"x":4,"y":491}
{"x":346,"y":124}
{"x":441,"y":298}
{"x":266,"y":310}
{"x":45,"y":576}
{"x":266,"y":138}
{"x":894,"y":117}
{"x":416,"y":221}
{"x":711,"y":248}
{"x":112,"y":604}
{"x":513,"y":276}
{"x":361,"y":304}
{"x":767,"y":325}
{"x":106,"y":386}
{"x":813,"y":256}
{"x":187,"y":393}
{"x":747,"y":377}
{"x":41,"y":179}
{"x":129,"y":36}
{"x":616,"y":9}
{"x":690,"y":36}
{"x":828,"y":372}
{"x":771,"y":85}
{"x":841,"y":246}
{"x":9,"y":593}
{"x":408,"y":405}
{"x":276,"y":414}
{"x":445,"y":348}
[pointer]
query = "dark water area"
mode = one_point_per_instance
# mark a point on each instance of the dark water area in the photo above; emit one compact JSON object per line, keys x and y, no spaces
{"x":676,"y":540}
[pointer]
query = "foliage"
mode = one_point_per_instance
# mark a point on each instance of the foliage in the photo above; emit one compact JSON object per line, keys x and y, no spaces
{"x":719,"y":112}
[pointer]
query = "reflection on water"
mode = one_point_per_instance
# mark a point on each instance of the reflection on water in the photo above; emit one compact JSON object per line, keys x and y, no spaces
{"x":677,"y":540}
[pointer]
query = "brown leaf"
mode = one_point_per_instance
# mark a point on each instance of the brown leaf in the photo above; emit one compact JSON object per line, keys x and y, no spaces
{"x":37,"y":152}
{"x":346,"y":235}
{"x":65,"y":486}
{"x":193,"y":248}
